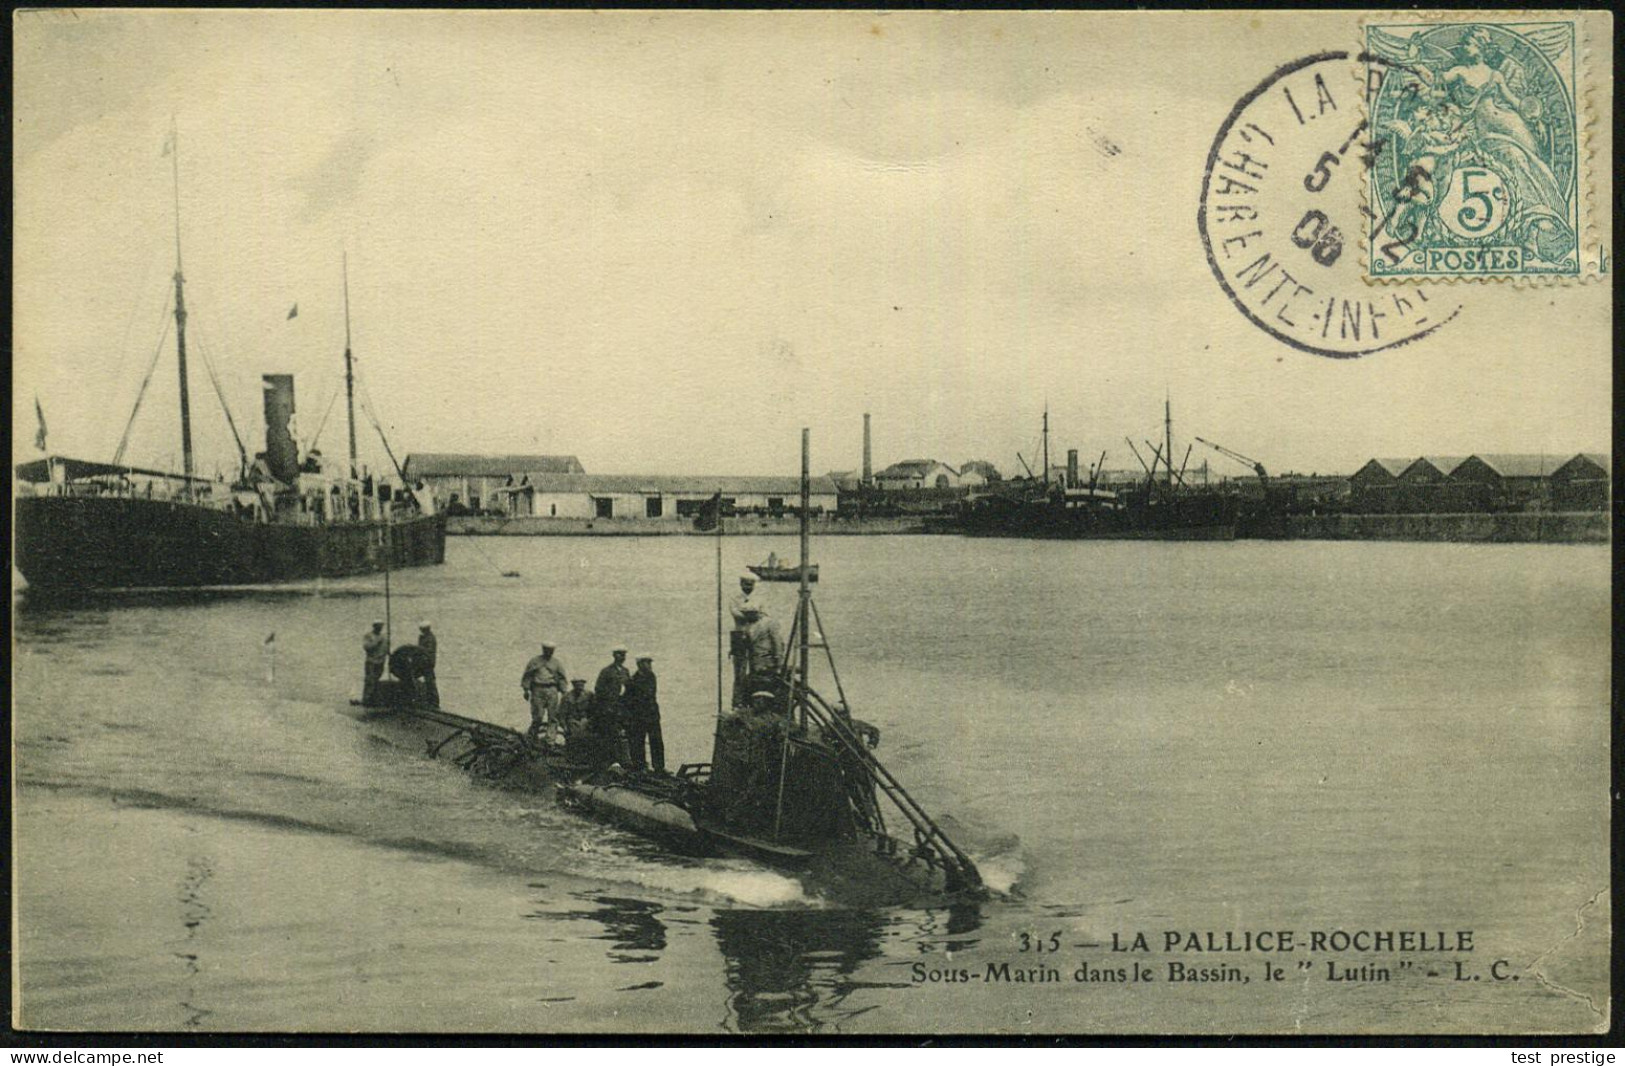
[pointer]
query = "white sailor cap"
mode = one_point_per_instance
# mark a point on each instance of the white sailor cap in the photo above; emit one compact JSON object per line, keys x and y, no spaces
{"x":619,"y":648}
{"x":642,"y":657}
{"x":377,"y":621}
{"x":549,"y":644}
{"x":747,"y":576}
{"x":423,"y":625}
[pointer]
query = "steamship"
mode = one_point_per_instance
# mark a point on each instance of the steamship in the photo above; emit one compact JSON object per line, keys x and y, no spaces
{"x":1162,"y":507}
{"x":83,"y":525}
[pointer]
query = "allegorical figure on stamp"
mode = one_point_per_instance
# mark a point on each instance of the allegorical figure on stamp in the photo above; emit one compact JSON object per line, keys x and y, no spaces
{"x":1480,"y":128}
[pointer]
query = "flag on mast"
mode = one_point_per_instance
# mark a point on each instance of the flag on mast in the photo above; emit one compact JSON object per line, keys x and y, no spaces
{"x":169,"y":143}
{"x":39,"y":435}
{"x":294,"y":311}
{"x":710,"y":514}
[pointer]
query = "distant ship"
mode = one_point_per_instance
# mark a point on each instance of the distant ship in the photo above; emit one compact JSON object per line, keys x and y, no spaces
{"x":81,"y":525}
{"x":1165,"y":508}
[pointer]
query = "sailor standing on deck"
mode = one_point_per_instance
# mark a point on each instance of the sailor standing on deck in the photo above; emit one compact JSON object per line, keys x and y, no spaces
{"x":543,"y":684}
{"x":430,"y":649}
{"x":738,"y":603}
{"x":738,"y":650}
{"x":764,"y":643}
{"x":606,"y":693}
{"x":376,"y":647}
{"x":643,"y":718}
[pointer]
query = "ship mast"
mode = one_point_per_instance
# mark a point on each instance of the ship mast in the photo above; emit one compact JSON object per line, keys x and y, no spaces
{"x":1168,"y":439}
{"x":349,"y":370}
{"x":803,"y":614}
{"x":180,"y":316}
{"x":1046,"y":447}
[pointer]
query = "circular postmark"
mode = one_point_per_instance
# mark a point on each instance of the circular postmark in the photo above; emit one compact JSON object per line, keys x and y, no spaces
{"x":1282,"y":217}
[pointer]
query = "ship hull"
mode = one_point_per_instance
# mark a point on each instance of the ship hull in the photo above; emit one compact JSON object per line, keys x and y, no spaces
{"x":109,"y":542}
{"x":1198,"y":517}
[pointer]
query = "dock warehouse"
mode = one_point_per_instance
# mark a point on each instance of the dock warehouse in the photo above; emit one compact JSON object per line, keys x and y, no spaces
{"x":666,"y":497}
{"x":472,"y":480}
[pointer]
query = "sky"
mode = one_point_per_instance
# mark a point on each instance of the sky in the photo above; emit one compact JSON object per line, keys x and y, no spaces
{"x":665,"y":242}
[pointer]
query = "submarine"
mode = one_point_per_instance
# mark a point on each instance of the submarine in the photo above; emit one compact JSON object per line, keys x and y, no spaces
{"x":793,"y":780}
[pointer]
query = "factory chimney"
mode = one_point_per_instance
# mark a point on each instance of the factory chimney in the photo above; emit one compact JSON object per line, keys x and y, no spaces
{"x":1072,"y":480}
{"x":281,"y":453}
{"x":868,"y":462}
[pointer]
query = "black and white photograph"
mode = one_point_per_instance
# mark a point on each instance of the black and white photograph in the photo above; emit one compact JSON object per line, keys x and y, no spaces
{"x":767,"y":524}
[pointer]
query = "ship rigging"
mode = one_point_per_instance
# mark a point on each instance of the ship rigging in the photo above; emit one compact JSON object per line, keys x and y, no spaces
{"x":87,"y":525}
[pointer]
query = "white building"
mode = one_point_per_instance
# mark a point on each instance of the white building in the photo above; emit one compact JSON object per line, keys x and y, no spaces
{"x":919,"y":474}
{"x":657,"y":496}
{"x":474,"y":481}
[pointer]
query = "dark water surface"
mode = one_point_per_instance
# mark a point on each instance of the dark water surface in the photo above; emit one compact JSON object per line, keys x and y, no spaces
{"x":1128,"y":737}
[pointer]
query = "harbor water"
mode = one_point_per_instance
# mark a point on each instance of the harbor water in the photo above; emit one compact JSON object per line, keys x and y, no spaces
{"x":1128,"y":737}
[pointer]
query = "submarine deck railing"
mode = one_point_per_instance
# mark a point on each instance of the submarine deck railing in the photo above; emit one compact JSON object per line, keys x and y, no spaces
{"x":961,"y":873}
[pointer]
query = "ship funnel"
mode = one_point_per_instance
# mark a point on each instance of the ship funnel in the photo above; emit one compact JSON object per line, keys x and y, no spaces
{"x":281,"y":453}
{"x":1072,"y":479}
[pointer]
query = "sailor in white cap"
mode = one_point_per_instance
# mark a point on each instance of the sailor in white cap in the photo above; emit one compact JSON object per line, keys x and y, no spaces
{"x":738,"y":603}
{"x":376,"y":648}
{"x":429,"y":691}
{"x":738,"y":606}
{"x":543,"y":684}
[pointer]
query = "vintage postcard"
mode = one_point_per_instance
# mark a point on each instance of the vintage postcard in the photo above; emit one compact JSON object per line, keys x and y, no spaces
{"x":779,"y":523}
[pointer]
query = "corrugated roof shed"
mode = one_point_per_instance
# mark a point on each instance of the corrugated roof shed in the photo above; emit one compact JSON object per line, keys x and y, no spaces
{"x":1508,"y":465}
{"x":1393,"y":467}
{"x":1602,"y":459}
{"x":451,"y":464}
{"x":675,"y":484}
{"x":1444,"y":464}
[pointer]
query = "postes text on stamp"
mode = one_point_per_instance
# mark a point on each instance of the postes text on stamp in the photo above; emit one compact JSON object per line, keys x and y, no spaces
{"x":1479,"y":160}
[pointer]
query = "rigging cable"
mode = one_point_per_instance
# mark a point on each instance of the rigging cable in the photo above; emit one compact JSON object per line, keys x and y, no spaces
{"x":368,"y":409}
{"x":323,"y":423}
{"x":135,"y":309}
{"x":208,"y":364}
{"x":163,"y":335}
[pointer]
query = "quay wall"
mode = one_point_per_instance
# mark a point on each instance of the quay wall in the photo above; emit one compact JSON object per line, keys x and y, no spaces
{"x":1568,"y":527}
{"x":1576,"y":527}
{"x":526,"y":526}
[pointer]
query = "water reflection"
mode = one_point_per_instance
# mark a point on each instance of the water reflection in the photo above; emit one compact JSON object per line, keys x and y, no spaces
{"x":942,"y":930}
{"x":792,"y":971}
{"x":631,"y":925}
{"x":194,"y":912}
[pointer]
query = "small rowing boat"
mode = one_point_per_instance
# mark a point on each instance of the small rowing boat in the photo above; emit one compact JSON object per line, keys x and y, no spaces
{"x":782,"y":572}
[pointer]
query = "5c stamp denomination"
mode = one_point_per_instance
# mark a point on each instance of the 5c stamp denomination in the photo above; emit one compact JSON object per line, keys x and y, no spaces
{"x":1478,"y":159}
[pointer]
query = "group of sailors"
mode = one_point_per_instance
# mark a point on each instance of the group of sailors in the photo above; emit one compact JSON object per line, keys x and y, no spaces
{"x":413,"y":665}
{"x":617,"y":721}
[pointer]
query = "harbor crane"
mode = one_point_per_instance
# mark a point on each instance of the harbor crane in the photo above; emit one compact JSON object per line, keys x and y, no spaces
{"x":1258,"y":467}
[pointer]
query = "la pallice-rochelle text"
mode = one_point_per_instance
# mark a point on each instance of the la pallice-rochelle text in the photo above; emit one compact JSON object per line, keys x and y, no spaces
{"x":1396,"y":941}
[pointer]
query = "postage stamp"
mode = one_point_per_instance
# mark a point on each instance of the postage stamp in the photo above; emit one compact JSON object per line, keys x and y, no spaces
{"x":1479,"y":162}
